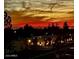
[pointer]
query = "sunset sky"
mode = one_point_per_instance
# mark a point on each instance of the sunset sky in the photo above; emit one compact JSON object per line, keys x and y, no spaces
{"x":38,"y":13}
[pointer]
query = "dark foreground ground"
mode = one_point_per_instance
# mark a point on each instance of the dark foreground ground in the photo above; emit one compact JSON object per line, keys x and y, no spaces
{"x":61,"y":52}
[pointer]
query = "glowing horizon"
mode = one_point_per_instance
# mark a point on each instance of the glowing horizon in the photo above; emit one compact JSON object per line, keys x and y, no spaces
{"x":40,"y":11}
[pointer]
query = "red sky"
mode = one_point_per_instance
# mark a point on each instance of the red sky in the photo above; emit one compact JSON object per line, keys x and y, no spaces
{"x":43,"y":24}
{"x":19,"y":20}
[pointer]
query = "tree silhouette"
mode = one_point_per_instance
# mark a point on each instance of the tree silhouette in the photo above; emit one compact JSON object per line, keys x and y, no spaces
{"x":66,"y":26}
{"x":7,"y":21}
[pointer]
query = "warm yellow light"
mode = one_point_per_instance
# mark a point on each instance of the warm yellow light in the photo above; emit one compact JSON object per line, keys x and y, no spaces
{"x":29,"y":41}
{"x":47,"y":43}
{"x":38,"y":43}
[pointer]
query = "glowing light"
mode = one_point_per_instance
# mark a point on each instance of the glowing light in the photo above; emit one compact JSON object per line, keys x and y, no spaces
{"x":38,"y":43}
{"x":70,"y":39}
{"x":53,"y":42}
{"x":62,"y":41}
{"x":47,"y":43}
{"x":29,"y":41}
{"x":69,"y":34}
{"x":14,"y":31}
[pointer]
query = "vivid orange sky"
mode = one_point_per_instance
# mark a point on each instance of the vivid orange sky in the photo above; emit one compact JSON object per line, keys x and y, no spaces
{"x":38,"y":13}
{"x":20,"y":21}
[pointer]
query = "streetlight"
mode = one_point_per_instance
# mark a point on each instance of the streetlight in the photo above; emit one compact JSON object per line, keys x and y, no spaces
{"x":29,"y":41}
